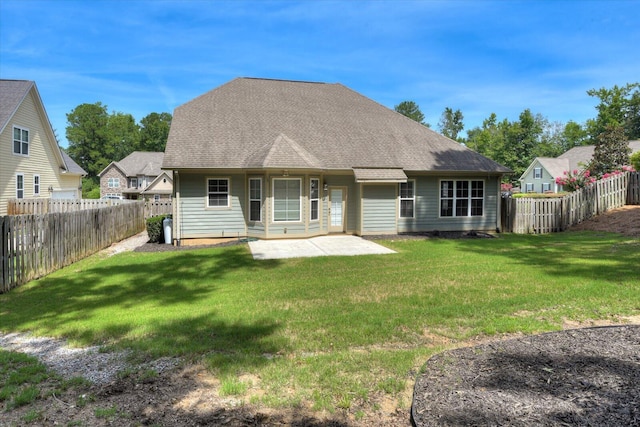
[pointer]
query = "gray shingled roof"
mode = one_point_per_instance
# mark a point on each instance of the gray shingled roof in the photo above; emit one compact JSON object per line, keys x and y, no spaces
{"x":274,"y":123}
{"x":580,"y":156}
{"x":12,"y":92}
{"x":145,"y":163}
{"x":555,"y":167}
{"x":72,"y":167}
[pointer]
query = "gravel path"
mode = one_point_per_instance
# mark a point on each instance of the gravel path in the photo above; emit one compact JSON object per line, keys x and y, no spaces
{"x":87,"y":362}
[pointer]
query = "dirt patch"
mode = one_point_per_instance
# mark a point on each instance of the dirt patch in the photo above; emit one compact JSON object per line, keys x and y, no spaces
{"x":625,"y":220}
{"x":186,"y":396}
{"x":577,"y":377}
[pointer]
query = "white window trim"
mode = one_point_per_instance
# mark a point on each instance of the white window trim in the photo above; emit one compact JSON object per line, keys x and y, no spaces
{"x":535,"y":173}
{"x":156,"y":197}
{"x":317,"y":199}
{"x":412,"y":198}
{"x":255,"y":200}
{"x":548,"y":185}
{"x":273,"y":205}
{"x":28,"y":141}
{"x":112,"y":181}
{"x":19,"y":175}
{"x":36,"y":186}
{"x":228,"y":193}
{"x":469,"y":198}
{"x":134,"y":182}
{"x":527,"y":186}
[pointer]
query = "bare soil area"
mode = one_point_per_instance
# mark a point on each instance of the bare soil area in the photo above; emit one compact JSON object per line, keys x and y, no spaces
{"x":625,"y":220}
{"x":574,"y":377}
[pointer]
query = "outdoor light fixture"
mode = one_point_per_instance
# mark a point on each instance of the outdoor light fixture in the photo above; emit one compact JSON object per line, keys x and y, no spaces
{"x":325,"y":186}
{"x":285,"y":173}
{"x":50,"y":189}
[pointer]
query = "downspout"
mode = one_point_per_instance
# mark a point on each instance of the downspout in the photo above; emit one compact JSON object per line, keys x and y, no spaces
{"x":499,"y":210}
{"x":177,"y":225}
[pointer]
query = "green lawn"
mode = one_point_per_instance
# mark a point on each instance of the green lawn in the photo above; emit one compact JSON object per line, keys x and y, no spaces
{"x":330,"y":332}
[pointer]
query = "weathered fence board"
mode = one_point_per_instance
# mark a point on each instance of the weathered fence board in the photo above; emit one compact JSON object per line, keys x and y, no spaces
{"x":633,"y":189}
{"x":43,"y":206}
{"x":36,"y":245}
{"x":548,"y":215}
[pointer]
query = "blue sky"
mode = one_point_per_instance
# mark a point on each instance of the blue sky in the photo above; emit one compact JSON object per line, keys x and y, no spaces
{"x":480,"y":57}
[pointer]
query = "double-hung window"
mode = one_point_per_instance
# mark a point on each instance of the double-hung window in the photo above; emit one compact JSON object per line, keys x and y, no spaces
{"x":36,"y":185}
{"x":134,"y":183}
{"x":461,"y":198}
{"x":546,"y":187}
{"x":113,"y":182}
{"x":407,"y":199}
{"x":19,"y":186}
{"x":286,"y":199}
{"x":537,"y":173}
{"x":314,"y":199}
{"x":255,"y":199}
{"x":217,"y":192}
{"x":528,"y":187}
{"x":20,"y":141}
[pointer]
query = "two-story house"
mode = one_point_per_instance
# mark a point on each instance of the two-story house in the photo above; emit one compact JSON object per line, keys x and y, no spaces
{"x":540,"y":176}
{"x":32,"y":165}
{"x":137,"y":176}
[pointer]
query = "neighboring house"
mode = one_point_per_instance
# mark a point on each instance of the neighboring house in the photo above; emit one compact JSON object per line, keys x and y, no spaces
{"x":137,"y":176}
{"x":32,"y":165}
{"x":285,"y":159}
{"x":540,"y":176}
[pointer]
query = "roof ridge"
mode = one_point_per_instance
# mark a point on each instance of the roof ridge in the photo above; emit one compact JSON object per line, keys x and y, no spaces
{"x":286,"y":80}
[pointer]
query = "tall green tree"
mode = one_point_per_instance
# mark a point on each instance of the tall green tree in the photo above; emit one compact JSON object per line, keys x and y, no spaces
{"x":154,"y":131}
{"x":450,"y":123}
{"x":123,"y":134}
{"x":88,"y":137}
{"x":512,"y":144}
{"x":619,"y":106}
{"x":573,"y":135}
{"x":411,"y":110}
{"x":611,"y":151}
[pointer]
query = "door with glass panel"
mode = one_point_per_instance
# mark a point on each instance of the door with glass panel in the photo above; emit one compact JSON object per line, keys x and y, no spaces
{"x":337,"y":208}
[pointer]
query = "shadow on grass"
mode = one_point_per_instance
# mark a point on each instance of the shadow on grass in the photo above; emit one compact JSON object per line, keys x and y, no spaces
{"x":585,"y":255}
{"x":131,"y":301}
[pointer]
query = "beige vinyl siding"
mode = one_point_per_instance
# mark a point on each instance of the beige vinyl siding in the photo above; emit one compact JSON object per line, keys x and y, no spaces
{"x":42,"y":159}
{"x":200,"y":221}
{"x":379,"y":208}
{"x":427,"y":208}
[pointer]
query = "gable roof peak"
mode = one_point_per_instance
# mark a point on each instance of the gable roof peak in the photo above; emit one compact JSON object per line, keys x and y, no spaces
{"x":283,"y":152}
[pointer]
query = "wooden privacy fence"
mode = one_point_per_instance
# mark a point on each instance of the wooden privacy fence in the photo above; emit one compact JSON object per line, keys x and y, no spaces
{"x":633,"y":191}
{"x":43,"y":206}
{"x":548,"y":215}
{"x":33,"y":246}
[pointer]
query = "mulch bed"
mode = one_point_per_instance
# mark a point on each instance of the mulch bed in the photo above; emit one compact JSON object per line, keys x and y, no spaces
{"x":582,"y":377}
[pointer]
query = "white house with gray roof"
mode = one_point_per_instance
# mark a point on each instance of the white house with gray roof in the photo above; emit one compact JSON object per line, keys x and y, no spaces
{"x":540,"y":176}
{"x":284,"y":159}
{"x":32,"y":165}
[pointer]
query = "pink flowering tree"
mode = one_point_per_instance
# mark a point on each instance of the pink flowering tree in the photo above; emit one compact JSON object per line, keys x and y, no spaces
{"x":574,"y":180}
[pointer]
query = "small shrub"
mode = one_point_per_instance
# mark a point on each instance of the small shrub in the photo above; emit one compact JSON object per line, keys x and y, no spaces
{"x":154,"y":228}
{"x":635,"y":160}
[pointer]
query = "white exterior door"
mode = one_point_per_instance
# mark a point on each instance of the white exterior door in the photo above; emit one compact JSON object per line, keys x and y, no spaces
{"x":336,"y":210}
